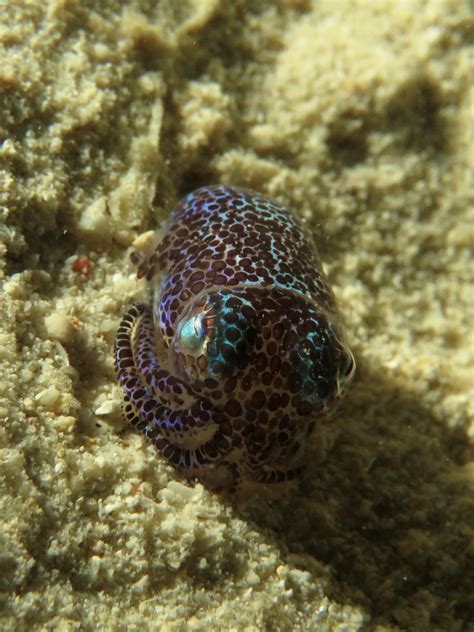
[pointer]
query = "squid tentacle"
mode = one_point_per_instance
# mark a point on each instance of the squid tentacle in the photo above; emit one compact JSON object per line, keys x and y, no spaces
{"x":170,"y":429}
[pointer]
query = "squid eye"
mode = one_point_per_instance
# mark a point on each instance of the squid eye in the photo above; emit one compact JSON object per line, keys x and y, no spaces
{"x":192,"y":334}
{"x":323,"y":389}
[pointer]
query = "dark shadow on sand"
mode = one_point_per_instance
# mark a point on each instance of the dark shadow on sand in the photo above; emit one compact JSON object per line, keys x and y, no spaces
{"x":388,"y":512}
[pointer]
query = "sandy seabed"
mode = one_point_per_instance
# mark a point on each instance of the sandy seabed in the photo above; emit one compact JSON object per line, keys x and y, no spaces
{"x":357,"y":115}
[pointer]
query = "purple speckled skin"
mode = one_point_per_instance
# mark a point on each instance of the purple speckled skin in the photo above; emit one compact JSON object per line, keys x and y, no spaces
{"x":241,"y":347}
